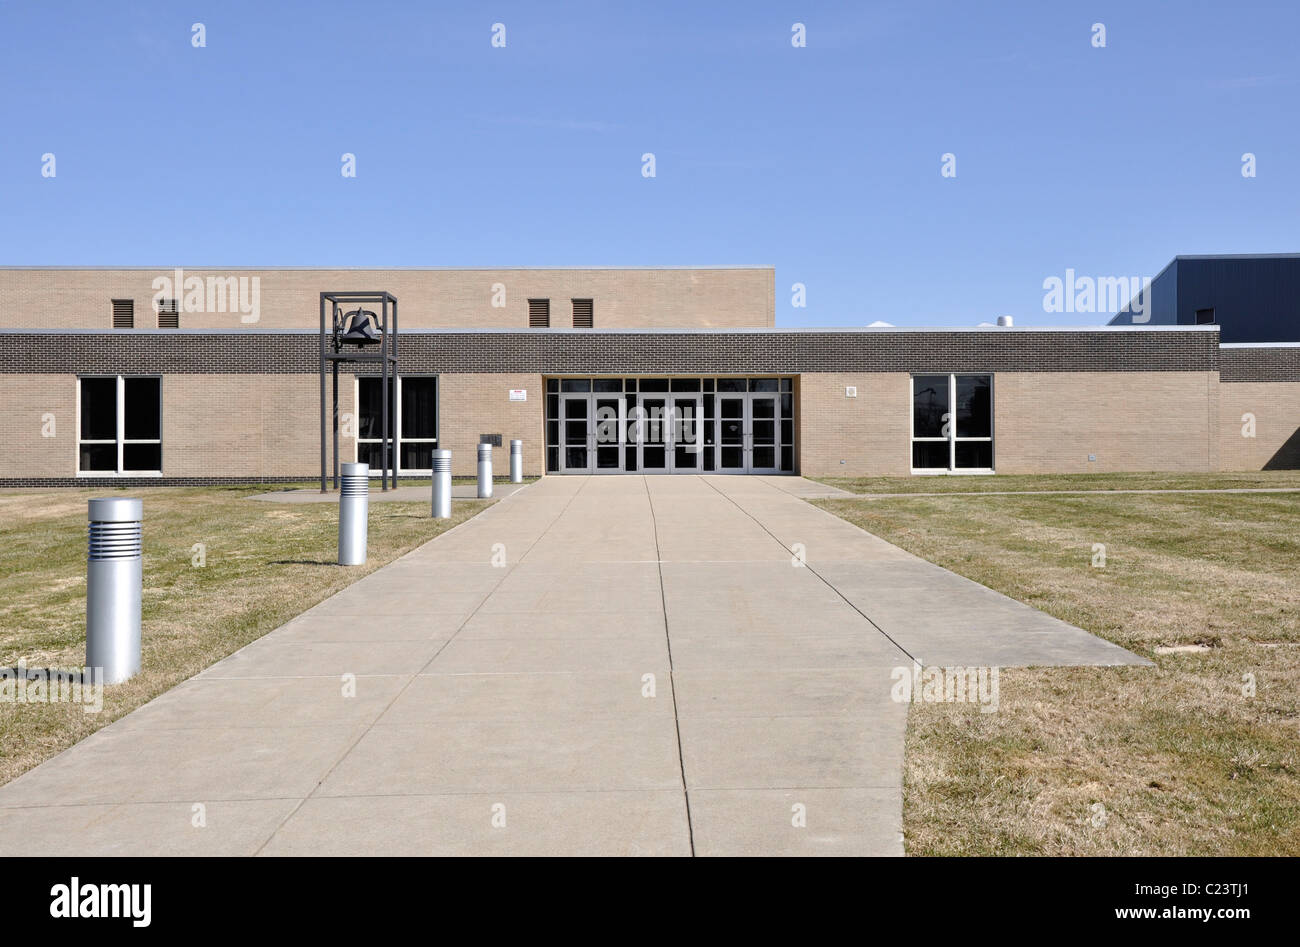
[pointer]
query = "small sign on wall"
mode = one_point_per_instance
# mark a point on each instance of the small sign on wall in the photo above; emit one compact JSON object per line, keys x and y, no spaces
{"x":850,"y":391}
{"x":518,"y":394}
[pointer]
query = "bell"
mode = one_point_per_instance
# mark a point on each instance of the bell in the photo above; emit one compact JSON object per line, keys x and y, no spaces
{"x":359,"y":328}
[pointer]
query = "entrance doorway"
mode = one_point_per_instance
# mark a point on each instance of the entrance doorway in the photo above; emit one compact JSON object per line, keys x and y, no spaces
{"x":670,"y":425}
{"x":748,"y":433}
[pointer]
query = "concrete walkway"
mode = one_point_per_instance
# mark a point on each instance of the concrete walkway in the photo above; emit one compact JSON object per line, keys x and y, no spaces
{"x":644,"y":671}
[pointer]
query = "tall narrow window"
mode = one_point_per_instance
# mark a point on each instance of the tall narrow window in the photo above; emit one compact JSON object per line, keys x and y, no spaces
{"x":168,"y":314}
{"x":123,"y":313}
{"x":952,"y":423}
{"x":419,"y":430}
{"x":120,"y":426}
{"x":412,"y":423}
{"x":582,"y":314}
{"x":539,"y":313}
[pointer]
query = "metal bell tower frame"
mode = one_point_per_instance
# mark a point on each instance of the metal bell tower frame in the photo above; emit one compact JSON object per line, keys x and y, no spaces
{"x":340,"y":343}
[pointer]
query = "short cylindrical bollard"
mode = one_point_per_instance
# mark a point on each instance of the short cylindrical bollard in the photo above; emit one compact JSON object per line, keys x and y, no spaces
{"x":114,"y":579}
{"x":354,"y":514}
{"x":442,"y":484}
{"x":516,"y":461}
{"x":484,"y":471}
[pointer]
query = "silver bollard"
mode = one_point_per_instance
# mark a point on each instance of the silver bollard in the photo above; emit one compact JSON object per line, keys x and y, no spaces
{"x":516,"y":461}
{"x":484,"y":471}
{"x":114,"y":579}
{"x":354,"y":514}
{"x":442,"y":484}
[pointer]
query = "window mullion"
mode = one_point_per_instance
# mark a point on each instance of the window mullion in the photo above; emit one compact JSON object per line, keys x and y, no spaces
{"x":397,"y":431}
{"x":952,"y":431}
{"x":121,"y":423}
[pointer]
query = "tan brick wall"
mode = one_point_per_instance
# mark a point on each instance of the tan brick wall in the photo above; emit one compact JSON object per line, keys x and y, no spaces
{"x":869,"y":432}
{"x":1276,"y":407}
{"x":263,"y":425}
{"x":245,"y":425}
{"x":213,"y":425}
{"x":289,"y":298}
{"x":276,"y":420}
{"x":1049,"y":422}
{"x":27,"y":400}
{"x":480,"y":404}
{"x":267,"y":425}
{"x":1044,"y":422}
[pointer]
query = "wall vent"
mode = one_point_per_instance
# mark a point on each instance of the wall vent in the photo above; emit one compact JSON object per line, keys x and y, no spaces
{"x":539,"y":313}
{"x":168,"y":314}
{"x":123,"y":313}
{"x":582,"y":314}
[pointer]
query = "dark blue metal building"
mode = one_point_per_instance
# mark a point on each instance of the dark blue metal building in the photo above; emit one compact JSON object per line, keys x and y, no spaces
{"x":1251,"y":298}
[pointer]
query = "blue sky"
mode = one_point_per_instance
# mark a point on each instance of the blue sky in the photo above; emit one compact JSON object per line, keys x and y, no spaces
{"x":822,"y":161}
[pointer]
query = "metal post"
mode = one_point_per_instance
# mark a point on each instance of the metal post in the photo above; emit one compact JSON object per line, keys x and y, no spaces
{"x":322,"y":392}
{"x":516,"y":461}
{"x":383,"y":396}
{"x":484,"y":471}
{"x":354,"y":510}
{"x":336,"y":425}
{"x":442,"y":484}
{"x":114,"y":580}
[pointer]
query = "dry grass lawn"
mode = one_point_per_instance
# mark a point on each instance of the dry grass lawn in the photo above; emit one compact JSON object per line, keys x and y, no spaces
{"x":1175,"y":760}
{"x":265,"y":563}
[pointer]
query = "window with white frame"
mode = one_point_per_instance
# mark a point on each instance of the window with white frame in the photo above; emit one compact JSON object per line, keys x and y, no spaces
{"x":952,"y":423}
{"x":119,"y":425}
{"x":412,"y":422}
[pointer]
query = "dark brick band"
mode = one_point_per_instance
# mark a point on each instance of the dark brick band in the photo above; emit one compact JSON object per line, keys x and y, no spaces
{"x":269,"y":352}
{"x":1271,"y":364}
{"x":101,"y":483}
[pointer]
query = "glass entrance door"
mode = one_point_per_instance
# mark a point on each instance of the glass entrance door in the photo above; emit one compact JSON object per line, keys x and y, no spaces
{"x":653,"y":434}
{"x":606,"y":435}
{"x":731,"y":437}
{"x":687,"y":445}
{"x":657,"y":424}
{"x":575,"y":439}
{"x":763,"y":443}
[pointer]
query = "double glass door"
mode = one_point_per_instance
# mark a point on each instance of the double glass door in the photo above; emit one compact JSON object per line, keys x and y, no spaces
{"x":591,"y":429}
{"x":748,"y":435}
{"x":666,"y":432}
{"x":724,"y":424}
{"x":647,"y":433}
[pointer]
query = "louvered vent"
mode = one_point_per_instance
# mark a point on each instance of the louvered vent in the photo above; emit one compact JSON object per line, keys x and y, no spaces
{"x":123,"y":313}
{"x":582,"y":313}
{"x":539,"y":313}
{"x":168,"y":314}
